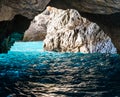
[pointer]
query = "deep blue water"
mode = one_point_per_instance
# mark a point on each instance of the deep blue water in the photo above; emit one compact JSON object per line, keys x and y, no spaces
{"x":16,"y":64}
{"x":25,"y":66}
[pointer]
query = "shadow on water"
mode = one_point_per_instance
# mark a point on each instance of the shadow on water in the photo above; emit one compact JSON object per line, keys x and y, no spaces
{"x":43,"y":74}
{"x":28,"y":71}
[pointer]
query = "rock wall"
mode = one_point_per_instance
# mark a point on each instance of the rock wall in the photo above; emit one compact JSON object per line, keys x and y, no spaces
{"x":38,"y":27}
{"x":110,"y":10}
{"x":110,"y":25}
{"x":28,"y":8}
{"x":6,"y":13}
{"x":67,"y":31}
{"x":90,"y":6}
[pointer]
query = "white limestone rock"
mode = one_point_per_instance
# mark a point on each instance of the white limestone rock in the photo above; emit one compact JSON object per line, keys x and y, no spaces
{"x":67,"y":31}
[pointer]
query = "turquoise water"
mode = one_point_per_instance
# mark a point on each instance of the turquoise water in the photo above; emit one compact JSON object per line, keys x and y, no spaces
{"x":37,"y":65}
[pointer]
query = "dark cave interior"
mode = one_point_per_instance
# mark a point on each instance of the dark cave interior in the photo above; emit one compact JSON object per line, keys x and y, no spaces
{"x":19,"y":24}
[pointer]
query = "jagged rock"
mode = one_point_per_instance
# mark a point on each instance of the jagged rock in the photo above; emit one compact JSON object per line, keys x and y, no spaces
{"x":9,"y":8}
{"x":67,"y":31}
{"x":38,"y":28}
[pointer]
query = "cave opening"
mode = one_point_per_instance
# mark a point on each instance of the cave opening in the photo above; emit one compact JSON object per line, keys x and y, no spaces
{"x":31,"y":71}
{"x":11,"y":31}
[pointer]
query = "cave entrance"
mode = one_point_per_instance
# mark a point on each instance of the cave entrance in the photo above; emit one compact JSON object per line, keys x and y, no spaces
{"x":11,"y":31}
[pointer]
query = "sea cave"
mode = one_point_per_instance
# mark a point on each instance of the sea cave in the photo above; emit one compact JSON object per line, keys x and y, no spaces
{"x":59,"y":48}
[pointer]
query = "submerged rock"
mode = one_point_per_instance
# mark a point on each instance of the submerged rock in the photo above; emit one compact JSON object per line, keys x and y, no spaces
{"x":67,"y":31}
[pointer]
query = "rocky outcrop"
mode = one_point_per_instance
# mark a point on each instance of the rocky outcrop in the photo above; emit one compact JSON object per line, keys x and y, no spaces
{"x":109,"y":7}
{"x":110,"y":25}
{"x":28,"y":8}
{"x":67,"y":31}
{"x":38,"y":28}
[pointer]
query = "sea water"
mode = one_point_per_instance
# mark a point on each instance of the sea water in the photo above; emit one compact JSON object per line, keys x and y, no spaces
{"x":29,"y":62}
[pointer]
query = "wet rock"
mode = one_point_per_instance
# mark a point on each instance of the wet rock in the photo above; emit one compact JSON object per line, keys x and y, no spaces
{"x":67,"y":31}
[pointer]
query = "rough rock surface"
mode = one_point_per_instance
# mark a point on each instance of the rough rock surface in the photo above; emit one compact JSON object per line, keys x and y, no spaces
{"x":6,"y":13}
{"x":67,"y":31}
{"x":9,"y":8}
{"x":28,"y":8}
{"x":110,"y":24}
{"x":38,"y":28}
{"x":91,"y":6}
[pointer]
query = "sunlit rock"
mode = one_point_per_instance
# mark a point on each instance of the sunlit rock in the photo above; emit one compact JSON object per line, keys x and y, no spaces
{"x":38,"y":28}
{"x":67,"y":31}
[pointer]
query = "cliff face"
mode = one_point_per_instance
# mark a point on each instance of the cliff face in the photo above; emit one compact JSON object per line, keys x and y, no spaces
{"x":106,"y":14}
{"x":38,"y":28}
{"x":67,"y":31}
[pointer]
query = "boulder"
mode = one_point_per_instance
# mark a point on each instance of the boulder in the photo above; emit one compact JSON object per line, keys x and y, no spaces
{"x":67,"y":31}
